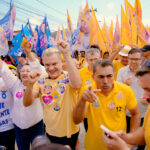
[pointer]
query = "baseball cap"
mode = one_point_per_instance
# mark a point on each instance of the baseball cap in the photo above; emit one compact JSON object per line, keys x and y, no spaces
{"x":146,"y":48}
{"x":125,"y":50}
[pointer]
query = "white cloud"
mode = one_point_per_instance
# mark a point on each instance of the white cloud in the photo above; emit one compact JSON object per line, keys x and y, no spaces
{"x":111,"y":6}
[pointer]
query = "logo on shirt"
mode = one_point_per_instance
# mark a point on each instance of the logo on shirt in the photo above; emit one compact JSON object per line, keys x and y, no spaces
{"x":120,"y":96}
{"x":61,"y":89}
{"x":19,"y":95}
{"x":88,"y":82}
{"x":3,"y":91}
{"x":47,"y":89}
{"x":111,"y":105}
{"x":41,"y":81}
{"x":47,"y":99}
{"x":96,"y":104}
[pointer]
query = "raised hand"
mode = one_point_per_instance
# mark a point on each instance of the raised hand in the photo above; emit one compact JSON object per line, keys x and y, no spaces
{"x":128,"y":81}
{"x":89,"y":95}
{"x":64,"y":47}
{"x":33,"y":76}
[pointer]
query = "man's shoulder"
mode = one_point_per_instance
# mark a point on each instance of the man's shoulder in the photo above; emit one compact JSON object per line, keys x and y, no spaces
{"x":122,"y":86}
{"x":83,"y":70}
{"x":124,"y":69}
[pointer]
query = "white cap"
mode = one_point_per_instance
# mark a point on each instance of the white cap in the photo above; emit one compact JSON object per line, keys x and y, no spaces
{"x":125,"y":50}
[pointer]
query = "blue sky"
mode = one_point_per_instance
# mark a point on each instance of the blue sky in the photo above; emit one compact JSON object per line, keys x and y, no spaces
{"x":56,"y":11}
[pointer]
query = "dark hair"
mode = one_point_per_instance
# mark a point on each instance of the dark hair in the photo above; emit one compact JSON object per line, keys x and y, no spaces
{"x":105,"y":53}
{"x":103,"y":63}
{"x":95,"y":46}
{"x":144,"y":68}
{"x":135,"y":50}
{"x":146,"y":48}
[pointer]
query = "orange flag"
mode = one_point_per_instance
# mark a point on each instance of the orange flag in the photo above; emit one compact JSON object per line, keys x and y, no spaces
{"x":116,"y":39}
{"x":64,"y":34}
{"x":138,"y":8}
{"x":111,"y":32}
{"x":69,"y":22}
{"x":125,"y":29}
{"x":96,"y":36}
{"x":106,"y":37}
{"x":58,"y":35}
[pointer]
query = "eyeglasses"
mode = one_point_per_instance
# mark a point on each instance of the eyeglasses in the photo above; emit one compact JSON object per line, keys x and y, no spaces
{"x":134,"y":59}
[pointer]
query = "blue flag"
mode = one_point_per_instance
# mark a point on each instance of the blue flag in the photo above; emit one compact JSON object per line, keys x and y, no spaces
{"x":17,"y":49}
{"x":8,"y":21}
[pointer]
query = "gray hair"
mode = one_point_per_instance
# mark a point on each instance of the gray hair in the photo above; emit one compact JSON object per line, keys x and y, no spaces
{"x":92,"y":51}
{"x":51,"y":51}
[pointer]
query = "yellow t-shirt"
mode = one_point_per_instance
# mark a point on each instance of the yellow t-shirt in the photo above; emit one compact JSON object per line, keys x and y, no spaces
{"x":82,"y":62}
{"x":87,"y":79}
{"x":59,"y":99}
{"x":146,"y":127}
{"x":109,"y":111}
{"x":117,"y":65}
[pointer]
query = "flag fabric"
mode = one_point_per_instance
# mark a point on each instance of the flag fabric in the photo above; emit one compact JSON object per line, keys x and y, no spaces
{"x":84,"y":32}
{"x":107,"y":41}
{"x":3,"y":43}
{"x":116,"y":38}
{"x":64,"y":34}
{"x":17,"y":49}
{"x":8,"y":21}
{"x":111,"y":32}
{"x":143,"y":34}
{"x":126,"y":38}
{"x":96,"y":36}
{"x":138,"y":8}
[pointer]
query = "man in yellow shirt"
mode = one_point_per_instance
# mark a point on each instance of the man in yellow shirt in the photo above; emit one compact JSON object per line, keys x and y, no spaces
{"x":91,"y":55}
{"x":107,"y":107}
{"x":141,"y":136}
{"x":123,"y":58}
{"x":57,"y":91}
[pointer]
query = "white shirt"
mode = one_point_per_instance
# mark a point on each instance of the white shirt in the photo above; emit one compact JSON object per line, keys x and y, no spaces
{"x":123,"y":74}
{"x":23,"y":117}
{"x":6,"y":102}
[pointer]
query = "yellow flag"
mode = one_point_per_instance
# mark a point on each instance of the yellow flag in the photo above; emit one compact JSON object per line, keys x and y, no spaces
{"x":64,"y":34}
{"x":138,"y":8}
{"x":58,"y":35}
{"x":96,"y":36}
{"x":69,"y":22}
{"x":106,"y":37}
{"x":125,"y":29}
{"x":111,"y":32}
{"x":134,"y":30}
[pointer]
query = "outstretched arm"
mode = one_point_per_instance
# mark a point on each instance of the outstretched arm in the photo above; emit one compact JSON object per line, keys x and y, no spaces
{"x":73,"y":72}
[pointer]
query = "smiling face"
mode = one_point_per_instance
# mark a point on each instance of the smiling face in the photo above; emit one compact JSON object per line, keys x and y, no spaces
{"x":53,"y":65}
{"x":104,"y":78}
{"x":24,"y":72}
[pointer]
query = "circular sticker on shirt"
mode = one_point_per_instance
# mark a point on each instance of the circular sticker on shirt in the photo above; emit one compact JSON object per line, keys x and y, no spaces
{"x":47,"y":99}
{"x":47,"y":89}
{"x":61,"y":89}
{"x":19,"y":95}
{"x":111,"y":105}
{"x":56,"y":108}
{"x":88,"y":82}
{"x":55,"y":95}
{"x":41,"y":81}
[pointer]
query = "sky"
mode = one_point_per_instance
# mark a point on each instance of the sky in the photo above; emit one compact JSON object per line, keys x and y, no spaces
{"x":56,"y":11}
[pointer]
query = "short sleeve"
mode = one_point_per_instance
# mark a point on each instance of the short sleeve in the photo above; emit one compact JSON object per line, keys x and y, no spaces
{"x":131,"y":99}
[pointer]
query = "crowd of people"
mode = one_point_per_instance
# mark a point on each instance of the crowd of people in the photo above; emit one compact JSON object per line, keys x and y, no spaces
{"x":43,"y":100}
